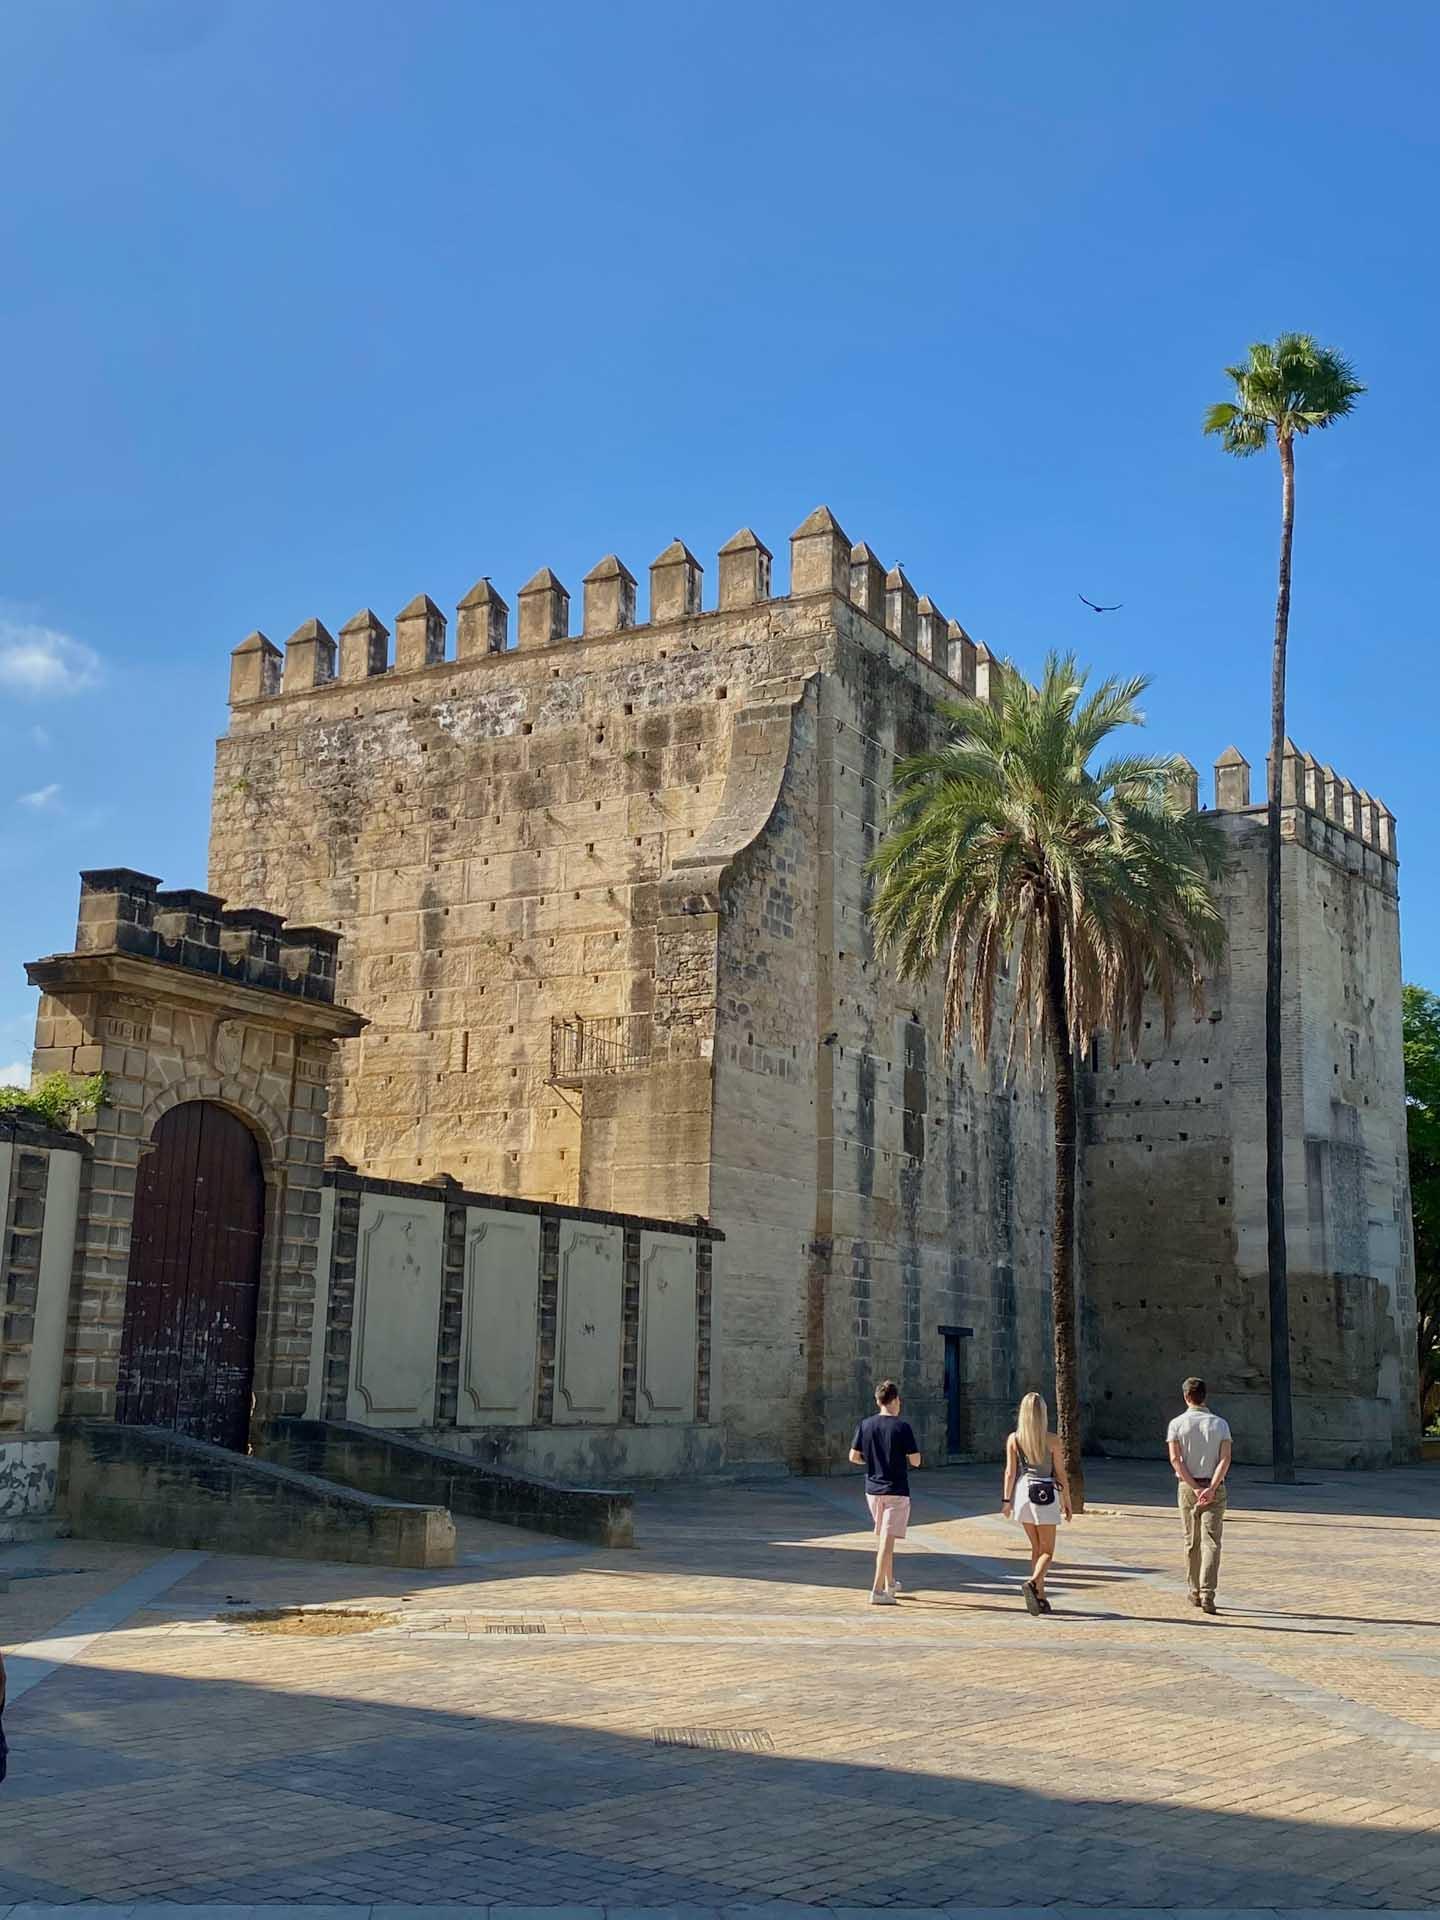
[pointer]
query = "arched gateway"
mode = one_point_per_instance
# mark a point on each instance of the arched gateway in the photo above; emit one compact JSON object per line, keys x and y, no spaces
{"x":187,"y":1356}
{"x":189,"y":1301}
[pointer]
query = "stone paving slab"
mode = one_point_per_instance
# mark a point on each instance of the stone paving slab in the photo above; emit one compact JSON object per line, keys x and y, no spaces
{"x":948,"y":1755}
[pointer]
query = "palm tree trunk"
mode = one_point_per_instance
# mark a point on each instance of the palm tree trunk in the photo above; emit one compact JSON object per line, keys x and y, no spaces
{"x":1062,"y":1274}
{"x":1282,"y":1431}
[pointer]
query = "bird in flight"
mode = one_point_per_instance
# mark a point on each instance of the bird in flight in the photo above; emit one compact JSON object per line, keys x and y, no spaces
{"x":1094,"y":609}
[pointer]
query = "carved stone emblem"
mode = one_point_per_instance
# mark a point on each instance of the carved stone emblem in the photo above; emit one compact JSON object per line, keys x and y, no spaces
{"x":229,"y":1046}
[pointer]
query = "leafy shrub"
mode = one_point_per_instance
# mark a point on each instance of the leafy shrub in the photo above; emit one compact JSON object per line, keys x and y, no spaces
{"x":56,"y":1100}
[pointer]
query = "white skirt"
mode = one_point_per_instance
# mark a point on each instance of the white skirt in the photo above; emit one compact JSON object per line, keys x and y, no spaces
{"x":1027,"y":1512}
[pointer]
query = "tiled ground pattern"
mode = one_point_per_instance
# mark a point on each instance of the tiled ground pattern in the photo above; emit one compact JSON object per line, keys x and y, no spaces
{"x":1126,"y":1752}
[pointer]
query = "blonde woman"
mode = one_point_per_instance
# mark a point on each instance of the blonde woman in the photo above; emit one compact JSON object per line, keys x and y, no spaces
{"x":1036,"y":1492}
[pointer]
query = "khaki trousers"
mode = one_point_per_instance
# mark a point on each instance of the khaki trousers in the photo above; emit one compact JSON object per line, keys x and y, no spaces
{"x":1203,"y":1528}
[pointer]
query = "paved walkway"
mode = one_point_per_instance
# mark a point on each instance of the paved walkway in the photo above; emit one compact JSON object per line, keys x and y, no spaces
{"x":717,"y":1721}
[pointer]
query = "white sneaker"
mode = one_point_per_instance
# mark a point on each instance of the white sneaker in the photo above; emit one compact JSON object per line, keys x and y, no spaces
{"x":880,"y":1598}
{"x":895,"y":1587}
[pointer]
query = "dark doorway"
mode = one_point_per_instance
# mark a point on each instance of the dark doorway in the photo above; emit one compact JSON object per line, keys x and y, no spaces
{"x":187,"y":1357}
{"x":956,"y":1438}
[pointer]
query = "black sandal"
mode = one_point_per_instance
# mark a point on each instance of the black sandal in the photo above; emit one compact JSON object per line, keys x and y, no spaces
{"x":1033,"y":1602}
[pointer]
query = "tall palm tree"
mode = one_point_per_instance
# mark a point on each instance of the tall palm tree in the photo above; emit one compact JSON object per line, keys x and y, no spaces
{"x":1281,"y":393}
{"x":1004,"y":844}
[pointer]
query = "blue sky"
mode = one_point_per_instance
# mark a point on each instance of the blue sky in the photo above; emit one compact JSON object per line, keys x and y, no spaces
{"x":313,"y":304}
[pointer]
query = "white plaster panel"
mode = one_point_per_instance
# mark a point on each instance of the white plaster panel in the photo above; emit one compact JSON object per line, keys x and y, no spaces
{"x":588,"y":1322}
{"x":29,"y":1474}
{"x":320,"y":1320}
{"x":52,"y":1297}
{"x":498,"y":1318}
{"x":666,"y":1378}
{"x":396,"y":1332}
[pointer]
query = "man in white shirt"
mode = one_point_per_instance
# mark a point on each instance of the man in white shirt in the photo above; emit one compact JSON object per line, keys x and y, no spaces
{"x":1200,"y":1453}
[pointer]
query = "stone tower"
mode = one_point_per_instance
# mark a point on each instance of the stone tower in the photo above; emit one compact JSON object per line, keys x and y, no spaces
{"x":603,"y":899}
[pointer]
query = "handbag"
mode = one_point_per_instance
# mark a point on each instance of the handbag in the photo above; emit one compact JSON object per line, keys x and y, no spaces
{"x":1040,"y":1492}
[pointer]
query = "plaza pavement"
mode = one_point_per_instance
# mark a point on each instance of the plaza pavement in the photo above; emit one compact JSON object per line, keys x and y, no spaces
{"x":717,"y":1721}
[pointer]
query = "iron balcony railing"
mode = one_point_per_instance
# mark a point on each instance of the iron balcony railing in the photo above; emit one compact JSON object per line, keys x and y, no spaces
{"x":582,"y":1048}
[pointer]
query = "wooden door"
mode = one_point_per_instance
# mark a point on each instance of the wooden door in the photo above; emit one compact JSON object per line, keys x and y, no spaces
{"x":187,"y":1357}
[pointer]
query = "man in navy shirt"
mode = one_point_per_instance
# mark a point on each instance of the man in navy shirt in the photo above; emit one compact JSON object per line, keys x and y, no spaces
{"x":885,"y":1446}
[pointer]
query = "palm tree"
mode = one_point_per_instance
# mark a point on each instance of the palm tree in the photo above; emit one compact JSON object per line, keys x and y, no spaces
{"x":1284,"y":391}
{"x":1004,"y":844}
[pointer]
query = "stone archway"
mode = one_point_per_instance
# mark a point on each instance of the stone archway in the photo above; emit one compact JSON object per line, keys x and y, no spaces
{"x":187,"y":1354}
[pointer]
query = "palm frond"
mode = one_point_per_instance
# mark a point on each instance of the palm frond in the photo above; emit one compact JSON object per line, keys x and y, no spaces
{"x":1005,"y":833}
{"x":1294,"y":386}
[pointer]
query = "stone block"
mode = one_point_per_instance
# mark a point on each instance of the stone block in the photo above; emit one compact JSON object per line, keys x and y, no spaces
{"x":745,"y":563}
{"x":419,"y":635}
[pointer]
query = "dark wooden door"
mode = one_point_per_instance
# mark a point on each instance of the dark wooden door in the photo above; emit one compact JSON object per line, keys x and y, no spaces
{"x":187,"y":1357}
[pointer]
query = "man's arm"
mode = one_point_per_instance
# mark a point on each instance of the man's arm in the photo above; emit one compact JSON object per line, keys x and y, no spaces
{"x":856,"y":1459}
{"x":1217,"y":1479}
{"x":1182,"y":1472}
{"x":913,"y":1458}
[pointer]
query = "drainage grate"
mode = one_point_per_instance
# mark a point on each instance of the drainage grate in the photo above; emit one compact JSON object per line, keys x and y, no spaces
{"x":512,"y":1627}
{"x":716,"y":1739}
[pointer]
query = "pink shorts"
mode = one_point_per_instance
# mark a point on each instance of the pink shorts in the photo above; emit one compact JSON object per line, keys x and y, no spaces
{"x":891,"y":1514}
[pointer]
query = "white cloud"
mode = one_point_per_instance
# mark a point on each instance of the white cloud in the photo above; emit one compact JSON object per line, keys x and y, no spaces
{"x":43,"y":799}
{"x":39,"y":662}
{"x":17,"y":1074}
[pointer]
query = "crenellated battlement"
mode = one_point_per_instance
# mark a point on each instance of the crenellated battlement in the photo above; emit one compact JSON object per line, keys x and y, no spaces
{"x":122,"y":911}
{"x":822,"y":561}
{"x":1319,"y":808}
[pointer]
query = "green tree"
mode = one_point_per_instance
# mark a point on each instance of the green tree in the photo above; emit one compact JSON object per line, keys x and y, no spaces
{"x":1281,"y":393}
{"x":1007,"y":852}
{"x":1422,"y":1117}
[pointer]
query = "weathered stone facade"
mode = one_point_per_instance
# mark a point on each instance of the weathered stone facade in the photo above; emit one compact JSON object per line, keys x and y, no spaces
{"x":603,"y":900}
{"x":174,"y":999}
{"x":1174,"y":1250}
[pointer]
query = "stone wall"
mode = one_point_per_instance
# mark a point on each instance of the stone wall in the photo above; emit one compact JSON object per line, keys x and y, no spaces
{"x":1174,"y":1251}
{"x":662,"y":831}
{"x":40,"y":1171}
{"x":564,"y":1341}
{"x":136,"y":1483}
{"x":604,"y":901}
{"x":876,"y":1193}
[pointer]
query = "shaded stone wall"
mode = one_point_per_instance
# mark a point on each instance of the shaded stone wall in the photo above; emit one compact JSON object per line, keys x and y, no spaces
{"x":1174,"y":1250}
{"x":875,"y":1190}
{"x":40,"y":1169}
{"x":564,"y":1340}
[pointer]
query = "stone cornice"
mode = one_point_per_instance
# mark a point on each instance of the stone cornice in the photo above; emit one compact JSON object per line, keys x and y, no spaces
{"x":115,"y":972}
